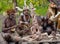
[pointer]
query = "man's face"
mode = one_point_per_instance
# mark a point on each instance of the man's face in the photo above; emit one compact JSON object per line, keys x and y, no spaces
{"x":26,"y":12}
{"x":53,"y":5}
{"x":11,"y":16}
{"x":49,"y":21}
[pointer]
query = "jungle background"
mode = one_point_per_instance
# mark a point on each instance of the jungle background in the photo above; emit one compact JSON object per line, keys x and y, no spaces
{"x":40,"y":5}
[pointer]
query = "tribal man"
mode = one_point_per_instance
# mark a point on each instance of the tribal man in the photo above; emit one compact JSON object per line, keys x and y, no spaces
{"x":24,"y":22}
{"x":56,"y":17}
{"x":8,"y":29}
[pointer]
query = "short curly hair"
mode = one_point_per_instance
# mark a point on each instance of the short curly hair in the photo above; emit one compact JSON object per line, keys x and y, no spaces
{"x":9,"y":11}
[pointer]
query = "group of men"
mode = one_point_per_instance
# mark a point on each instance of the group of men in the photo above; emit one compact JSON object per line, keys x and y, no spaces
{"x":12,"y":31}
{"x":41,"y":26}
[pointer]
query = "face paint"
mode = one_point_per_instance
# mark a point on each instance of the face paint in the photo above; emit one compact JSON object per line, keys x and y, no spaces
{"x":11,"y":16}
{"x":26,"y":12}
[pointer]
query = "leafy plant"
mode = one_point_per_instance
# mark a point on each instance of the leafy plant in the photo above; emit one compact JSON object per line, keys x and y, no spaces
{"x":38,"y":4}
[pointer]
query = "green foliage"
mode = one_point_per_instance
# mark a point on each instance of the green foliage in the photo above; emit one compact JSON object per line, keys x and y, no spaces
{"x":40,"y":5}
{"x":5,"y":4}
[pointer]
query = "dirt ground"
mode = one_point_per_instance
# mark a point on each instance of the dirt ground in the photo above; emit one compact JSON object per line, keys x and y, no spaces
{"x":1,"y":21}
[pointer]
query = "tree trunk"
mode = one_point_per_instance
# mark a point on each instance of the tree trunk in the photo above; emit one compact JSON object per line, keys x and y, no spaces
{"x":14,"y":3}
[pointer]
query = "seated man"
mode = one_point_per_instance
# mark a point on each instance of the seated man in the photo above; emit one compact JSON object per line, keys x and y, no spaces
{"x":50,"y":26}
{"x":8,"y":29}
{"x":24,"y":22}
{"x":25,"y":17}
